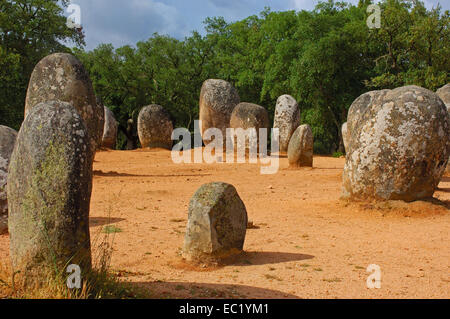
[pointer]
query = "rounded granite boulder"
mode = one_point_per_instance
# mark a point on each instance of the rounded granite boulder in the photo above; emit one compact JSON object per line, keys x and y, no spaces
{"x":301,"y":147}
{"x":155,"y":127}
{"x":250,"y":116}
{"x":399,"y":145}
{"x":62,"y":77}
{"x":218,"y":98}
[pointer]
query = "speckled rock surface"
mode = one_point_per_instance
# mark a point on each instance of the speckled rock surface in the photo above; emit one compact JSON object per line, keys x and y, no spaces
{"x":248,"y":115}
{"x":301,"y":147}
{"x":218,"y":98}
{"x":7,"y":140}
{"x":444,"y":94}
{"x":217,"y":223}
{"x":49,"y":191}
{"x":155,"y":127}
{"x":287,"y":119}
{"x":345,"y":135}
{"x":62,"y":77}
{"x":110,"y":130}
{"x":399,"y":145}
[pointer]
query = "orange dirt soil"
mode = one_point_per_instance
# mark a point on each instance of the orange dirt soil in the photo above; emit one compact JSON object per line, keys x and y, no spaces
{"x":306,"y":242}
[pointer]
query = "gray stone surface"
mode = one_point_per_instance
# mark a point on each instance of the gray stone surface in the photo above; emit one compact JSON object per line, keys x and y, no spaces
{"x":62,"y":77}
{"x":217,"y":223}
{"x":49,"y":191}
{"x":301,"y":147}
{"x":247,"y":116}
{"x":155,"y":127}
{"x":287,"y":119}
{"x":7,"y":140}
{"x":218,"y":98}
{"x":399,"y":145}
{"x":110,"y":130}
{"x":345,"y":135}
{"x":444,"y":94}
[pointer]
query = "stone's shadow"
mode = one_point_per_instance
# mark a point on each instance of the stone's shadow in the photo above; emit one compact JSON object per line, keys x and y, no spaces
{"x":102,"y":221}
{"x":445,"y":179}
{"x":263,"y":258}
{"x":116,"y":174}
{"x":184,"y":290}
{"x":438,"y":202}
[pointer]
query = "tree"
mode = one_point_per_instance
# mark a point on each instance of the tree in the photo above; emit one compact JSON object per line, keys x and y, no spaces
{"x":29,"y":30}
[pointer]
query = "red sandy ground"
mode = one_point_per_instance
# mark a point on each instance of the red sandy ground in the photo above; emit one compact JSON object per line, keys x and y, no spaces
{"x":306,"y":244}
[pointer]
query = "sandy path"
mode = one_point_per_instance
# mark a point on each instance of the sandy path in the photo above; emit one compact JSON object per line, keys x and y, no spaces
{"x":308,"y":243}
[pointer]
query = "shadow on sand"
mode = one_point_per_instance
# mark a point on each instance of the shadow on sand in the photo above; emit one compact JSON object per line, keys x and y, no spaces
{"x":185,"y":290}
{"x":116,"y":174}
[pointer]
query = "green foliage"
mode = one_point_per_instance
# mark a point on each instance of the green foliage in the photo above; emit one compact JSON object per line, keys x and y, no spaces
{"x":29,"y":30}
{"x":325,"y":58}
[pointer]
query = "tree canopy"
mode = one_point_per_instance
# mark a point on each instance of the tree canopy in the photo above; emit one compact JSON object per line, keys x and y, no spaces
{"x":325,"y":58}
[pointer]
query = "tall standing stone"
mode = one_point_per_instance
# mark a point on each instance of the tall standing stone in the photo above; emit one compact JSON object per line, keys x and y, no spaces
{"x":155,"y":127}
{"x":301,"y":147}
{"x":109,"y":130}
{"x":49,"y":190}
{"x":218,"y":98}
{"x":7,"y":140}
{"x":62,"y":77}
{"x":287,"y":119}
{"x":250,"y":116}
{"x":217,"y":223}
{"x":399,"y":145}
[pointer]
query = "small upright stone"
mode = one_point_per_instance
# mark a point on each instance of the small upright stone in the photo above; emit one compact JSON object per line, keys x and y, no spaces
{"x":217,"y":223}
{"x":49,"y":191}
{"x":287,"y":119}
{"x":7,"y":140}
{"x":155,"y":127}
{"x":62,"y":77}
{"x":248,"y":116}
{"x":110,"y":130}
{"x":218,"y":98}
{"x":301,"y":147}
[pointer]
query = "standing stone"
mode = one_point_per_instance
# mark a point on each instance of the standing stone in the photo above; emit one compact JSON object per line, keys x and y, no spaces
{"x":110,"y":130}
{"x":155,"y":127}
{"x":62,"y":77}
{"x":218,"y":98}
{"x":247,"y":116}
{"x":345,"y":135}
{"x":49,"y":190}
{"x":287,"y":119}
{"x":217,"y":223}
{"x":7,"y":140}
{"x":301,"y":147}
{"x":444,"y":94}
{"x":399,"y":145}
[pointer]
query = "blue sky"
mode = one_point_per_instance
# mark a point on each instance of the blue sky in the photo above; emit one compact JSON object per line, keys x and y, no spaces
{"x":122,"y":22}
